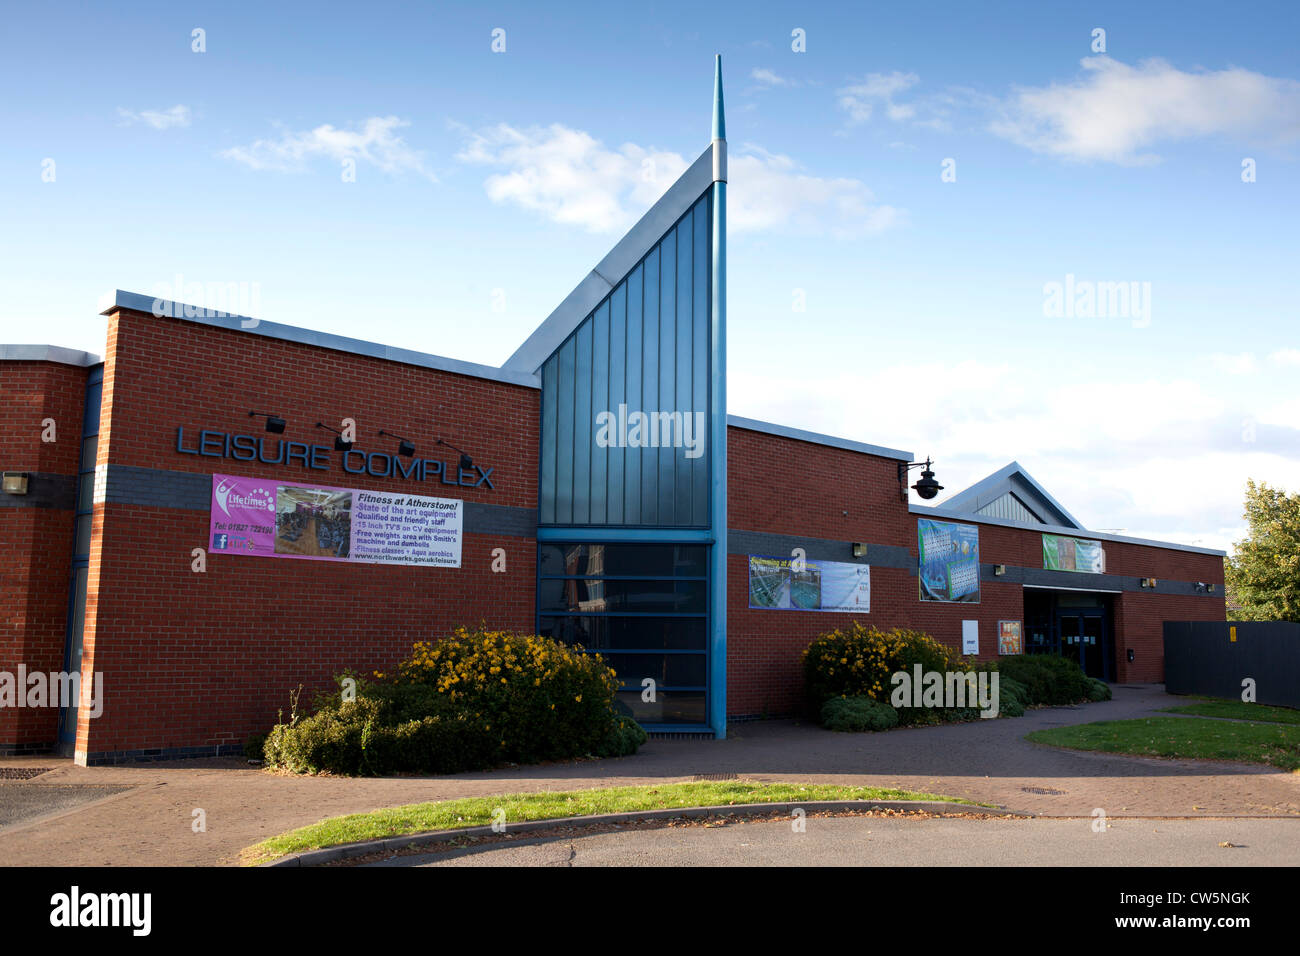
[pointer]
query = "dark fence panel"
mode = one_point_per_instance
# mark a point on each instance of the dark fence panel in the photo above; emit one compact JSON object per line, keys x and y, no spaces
{"x":1202,"y":658}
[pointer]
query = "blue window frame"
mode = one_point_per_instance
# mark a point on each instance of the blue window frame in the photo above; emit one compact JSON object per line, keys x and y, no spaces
{"x":644,"y":608}
{"x":72,"y":643}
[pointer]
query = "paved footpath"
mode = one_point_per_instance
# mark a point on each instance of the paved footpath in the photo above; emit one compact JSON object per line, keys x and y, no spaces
{"x":986,"y":760}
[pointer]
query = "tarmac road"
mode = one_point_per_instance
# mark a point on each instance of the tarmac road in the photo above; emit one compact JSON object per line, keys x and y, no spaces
{"x":894,"y":841}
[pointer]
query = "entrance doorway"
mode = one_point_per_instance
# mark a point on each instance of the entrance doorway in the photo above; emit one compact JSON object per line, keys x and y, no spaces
{"x":1085,"y":638}
{"x":1073,"y":624}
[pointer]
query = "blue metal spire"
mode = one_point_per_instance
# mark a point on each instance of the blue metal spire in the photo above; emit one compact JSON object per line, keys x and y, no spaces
{"x":719,"y":124}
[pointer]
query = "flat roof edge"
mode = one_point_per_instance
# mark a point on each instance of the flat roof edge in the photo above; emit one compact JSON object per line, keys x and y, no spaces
{"x":166,"y":308}
{"x":618,"y":262}
{"x":816,"y":438}
{"x":1059,"y":529}
{"x":48,"y":353}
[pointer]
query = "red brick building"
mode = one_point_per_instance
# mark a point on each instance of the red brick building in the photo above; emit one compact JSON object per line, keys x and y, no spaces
{"x":592,"y":488}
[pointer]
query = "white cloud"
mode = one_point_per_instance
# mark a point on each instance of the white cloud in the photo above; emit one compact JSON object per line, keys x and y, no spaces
{"x":178,"y":115}
{"x":375,"y":142}
{"x":1285,"y":357}
{"x":1166,"y":460}
{"x":1115,"y":112}
{"x":1241,"y":364}
{"x":769,"y":191}
{"x":572,"y":178}
{"x":765,"y":77}
{"x":860,"y":99}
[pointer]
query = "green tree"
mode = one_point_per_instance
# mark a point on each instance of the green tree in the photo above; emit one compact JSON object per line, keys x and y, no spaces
{"x":1263,"y":574}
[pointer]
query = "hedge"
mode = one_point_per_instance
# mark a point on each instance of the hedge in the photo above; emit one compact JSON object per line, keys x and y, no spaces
{"x":475,"y":700}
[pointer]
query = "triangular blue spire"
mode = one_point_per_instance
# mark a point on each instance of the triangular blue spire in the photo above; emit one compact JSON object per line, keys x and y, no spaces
{"x":719,"y":123}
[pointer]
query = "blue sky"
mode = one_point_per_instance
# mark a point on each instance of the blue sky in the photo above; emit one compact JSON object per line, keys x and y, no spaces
{"x":488,"y":183}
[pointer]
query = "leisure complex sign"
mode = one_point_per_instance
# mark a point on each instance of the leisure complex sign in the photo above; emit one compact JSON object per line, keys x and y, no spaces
{"x":377,"y":464}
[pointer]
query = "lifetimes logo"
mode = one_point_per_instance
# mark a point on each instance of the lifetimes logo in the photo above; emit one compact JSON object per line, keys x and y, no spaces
{"x":258,"y":498}
{"x":74,"y":909}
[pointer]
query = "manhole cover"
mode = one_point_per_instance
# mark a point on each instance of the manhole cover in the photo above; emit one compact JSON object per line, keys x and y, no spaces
{"x":1047,"y":790}
{"x":715,"y":776}
{"x":22,"y":773}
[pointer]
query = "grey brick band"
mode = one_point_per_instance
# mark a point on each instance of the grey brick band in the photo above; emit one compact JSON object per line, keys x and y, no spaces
{"x":45,"y":490}
{"x":820,"y":549}
{"x":192,"y":491}
{"x":892,"y":556}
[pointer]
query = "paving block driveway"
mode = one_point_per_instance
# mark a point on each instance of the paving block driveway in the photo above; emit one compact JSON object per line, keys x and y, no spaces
{"x":151,"y":822}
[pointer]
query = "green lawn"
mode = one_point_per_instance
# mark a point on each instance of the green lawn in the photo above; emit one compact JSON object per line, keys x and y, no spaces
{"x":1274,"y":744}
{"x":1239,"y":710}
{"x":478,"y":811}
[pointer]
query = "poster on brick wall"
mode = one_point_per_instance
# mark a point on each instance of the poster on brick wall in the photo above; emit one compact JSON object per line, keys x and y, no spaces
{"x":254,"y":516}
{"x":809,"y":585}
{"x":949,"y":561}
{"x":1062,"y":553}
{"x":1009,"y":638}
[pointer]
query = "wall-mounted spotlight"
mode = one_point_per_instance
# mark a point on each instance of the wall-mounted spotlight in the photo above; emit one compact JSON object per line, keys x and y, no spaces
{"x":1130,"y":655}
{"x":1147,"y":582}
{"x":859,"y":549}
{"x":405,"y":448}
{"x":274,"y":423}
{"x":999,"y":569}
{"x":15,"y":482}
{"x":466,"y":462}
{"x":1209,"y":588}
{"x":926,"y":487}
{"x":339,"y":443}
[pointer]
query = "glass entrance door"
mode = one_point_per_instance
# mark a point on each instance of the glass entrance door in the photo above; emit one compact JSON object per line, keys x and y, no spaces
{"x":1085,"y":638}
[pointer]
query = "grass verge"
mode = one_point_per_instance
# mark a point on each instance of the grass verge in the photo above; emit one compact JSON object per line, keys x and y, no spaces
{"x":1273,"y":744}
{"x":1237,"y":710}
{"x":519,"y":807}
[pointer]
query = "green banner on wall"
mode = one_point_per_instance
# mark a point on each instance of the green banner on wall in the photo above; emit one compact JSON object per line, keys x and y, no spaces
{"x":1062,"y":553}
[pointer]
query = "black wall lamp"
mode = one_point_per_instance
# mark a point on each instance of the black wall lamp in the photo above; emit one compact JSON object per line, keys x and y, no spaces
{"x":926,"y":487}
{"x":339,"y":443}
{"x":274,"y":423}
{"x":859,"y":549}
{"x":406,"y":448}
{"x":466,"y":462}
{"x":999,"y":569}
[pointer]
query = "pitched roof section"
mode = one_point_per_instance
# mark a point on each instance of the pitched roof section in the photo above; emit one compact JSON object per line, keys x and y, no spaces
{"x":621,"y":260}
{"x":1012,"y":493}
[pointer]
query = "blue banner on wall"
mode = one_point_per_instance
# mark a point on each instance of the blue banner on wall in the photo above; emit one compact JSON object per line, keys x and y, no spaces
{"x":949,"y":564}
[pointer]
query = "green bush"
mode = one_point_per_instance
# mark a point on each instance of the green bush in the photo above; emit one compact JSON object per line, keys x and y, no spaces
{"x":1098,"y":689}
{"x":1013,"y":697}
{"x":857,"y":714}
{"x":1048,"y":678}
{"x":254,"y":746}
{"x":475,"y":700}
{"x":857,"y":661}
{"x":623,"y":738}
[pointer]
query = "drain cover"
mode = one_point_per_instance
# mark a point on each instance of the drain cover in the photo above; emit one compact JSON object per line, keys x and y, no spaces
{"x":715,"y":776}
{"x":1047,"y":790}
{"x":22,"y":773}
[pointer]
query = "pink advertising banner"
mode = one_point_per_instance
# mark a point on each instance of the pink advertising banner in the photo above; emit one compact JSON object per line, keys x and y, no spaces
{"x":253,"y":516}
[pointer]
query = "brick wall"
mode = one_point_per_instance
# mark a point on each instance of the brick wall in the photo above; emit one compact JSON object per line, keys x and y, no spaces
{"x":784,"y":486}
{"x":36,"y":532}
{"x":202,"y":660}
